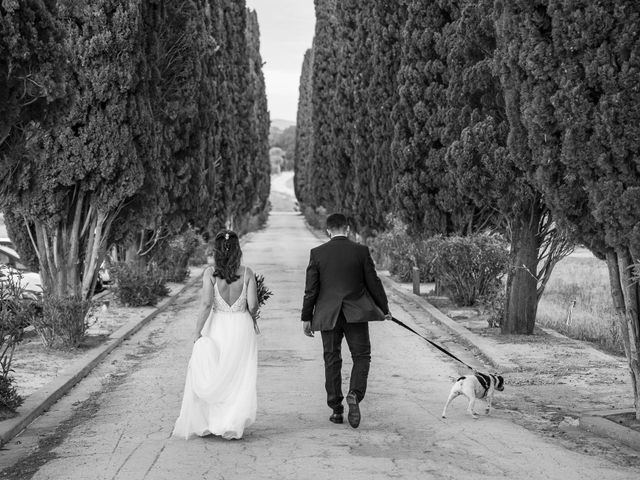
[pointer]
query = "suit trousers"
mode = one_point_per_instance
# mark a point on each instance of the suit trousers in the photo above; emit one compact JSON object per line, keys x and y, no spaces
{"x":357,"y":336}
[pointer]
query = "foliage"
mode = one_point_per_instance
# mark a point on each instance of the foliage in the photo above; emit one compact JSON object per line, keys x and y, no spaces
{"x":10,"y":399}
{"x":171,"y":255}
{"x":399,"y":252}
{"x":304,"y":132}
{"x":493,"y":304}
{"x":63,"y":323}
{"x":257,"y":185}
{"x":21,"y":238}
{"x":30,"y":67}
{"x":138,"y":286}
{"x":378,"y":38}
{"x":419,"y":123}
{"x":317,"y":218}
{"x":286,"y":141}
{"x":16,"y":313}
{"x":469,"y":267}
{"x":200,"y":255}
{"x":572,"y":68}
{"x":78,"y":170}
{"x":162,"y":123}
{"x":320,"y":188}
{"x":264,"y":294}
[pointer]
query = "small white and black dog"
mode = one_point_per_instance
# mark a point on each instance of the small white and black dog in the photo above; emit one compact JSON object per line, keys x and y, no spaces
{"x":474,"y":387}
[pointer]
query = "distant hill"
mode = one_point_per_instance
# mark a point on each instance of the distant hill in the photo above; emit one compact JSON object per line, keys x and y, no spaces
{"x":281,"y":124}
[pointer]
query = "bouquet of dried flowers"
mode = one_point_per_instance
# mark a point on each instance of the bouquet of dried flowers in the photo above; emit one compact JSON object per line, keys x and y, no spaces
{"x":264,"y":294}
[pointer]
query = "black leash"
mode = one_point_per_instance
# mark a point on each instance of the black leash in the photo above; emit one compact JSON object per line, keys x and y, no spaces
{"x":442,"y":349}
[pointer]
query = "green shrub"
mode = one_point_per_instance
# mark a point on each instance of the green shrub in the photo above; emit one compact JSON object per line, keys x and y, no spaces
{"x":200,"y":255}
{"x":397,"y":252}
{"x":137,"y":286}
{"x":493,"y":304}
{"x":252,"y":222}
{"x":63,"y":323}
{"x":468,"y":267}
{"x":316,"y":218}
{"x":10,"y":400}
{"x":16,"y":313}
{"x":172,"y":255}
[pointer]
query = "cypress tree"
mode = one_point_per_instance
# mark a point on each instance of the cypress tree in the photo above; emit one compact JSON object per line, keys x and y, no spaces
{"x":81,"y":169}
{"x":574,"y":68}
{"x":349,"y":60}
{"x":380,"y":38}
{"x":419,"y":128}
{"x":173,"y":191}
{"x":31,"y":74}
{"x":304,"y":131}
{"x":260,"y":178}
{"x":324,"y":74}
{"x":532,"y":223}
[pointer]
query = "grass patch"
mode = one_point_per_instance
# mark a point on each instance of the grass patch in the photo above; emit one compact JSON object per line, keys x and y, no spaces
{"x":581,"y":281}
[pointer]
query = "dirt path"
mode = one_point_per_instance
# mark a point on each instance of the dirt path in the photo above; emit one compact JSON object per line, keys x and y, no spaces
{"x":124,"y":412}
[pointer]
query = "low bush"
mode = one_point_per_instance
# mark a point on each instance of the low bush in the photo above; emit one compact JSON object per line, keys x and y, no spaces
{"x":63,"y":323}
{"x":200,"y":255}
{"x":493,"y":304}
{"x":252,"y":222}
{"x":316,"y":218}
{"x":469,"y":267}
{"x":137,"y":286}
{"x":172,"y":255}
{"x":396,"y":251}
{"x":16,"y":313}
{"x":10,"y":400}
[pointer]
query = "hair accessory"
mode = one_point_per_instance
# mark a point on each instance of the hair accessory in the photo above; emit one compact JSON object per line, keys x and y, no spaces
{"x":226,"y":236}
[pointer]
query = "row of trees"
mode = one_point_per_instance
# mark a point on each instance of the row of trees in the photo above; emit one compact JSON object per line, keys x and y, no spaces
{"x":522,"y":116}
{"x":126,"y":122}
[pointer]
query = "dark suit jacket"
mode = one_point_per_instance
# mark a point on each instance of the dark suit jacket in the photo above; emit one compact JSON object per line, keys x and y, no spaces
{"x":341,"y":276}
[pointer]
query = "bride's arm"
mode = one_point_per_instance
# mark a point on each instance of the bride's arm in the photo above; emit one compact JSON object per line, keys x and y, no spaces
{"x":252,"y":293}
{"x":206,"y":301}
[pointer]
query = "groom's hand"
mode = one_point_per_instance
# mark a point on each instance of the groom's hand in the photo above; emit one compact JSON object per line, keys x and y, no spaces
{"x":306,"y":327}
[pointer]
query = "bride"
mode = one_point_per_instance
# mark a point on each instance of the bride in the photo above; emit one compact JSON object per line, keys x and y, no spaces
{"x":220,"y":390}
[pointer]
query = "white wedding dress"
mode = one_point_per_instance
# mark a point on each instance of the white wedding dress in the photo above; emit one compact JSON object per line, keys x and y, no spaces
{"x":220,"y":392}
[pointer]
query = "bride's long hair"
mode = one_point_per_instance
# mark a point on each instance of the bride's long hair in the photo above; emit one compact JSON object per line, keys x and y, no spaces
{"x":227,"y":255}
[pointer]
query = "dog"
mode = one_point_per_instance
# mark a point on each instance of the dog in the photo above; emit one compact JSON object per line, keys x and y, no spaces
{"x":474,"y":387}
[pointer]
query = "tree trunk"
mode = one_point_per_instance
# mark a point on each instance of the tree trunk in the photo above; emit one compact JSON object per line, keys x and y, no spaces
{"x":71,"y":250}
{"x":522,"y":282}
{"x":625,"y":294}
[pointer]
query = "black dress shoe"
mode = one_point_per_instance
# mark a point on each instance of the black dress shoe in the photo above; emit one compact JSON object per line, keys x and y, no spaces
{"x":354,"y":410}
{"x":336,"y":418}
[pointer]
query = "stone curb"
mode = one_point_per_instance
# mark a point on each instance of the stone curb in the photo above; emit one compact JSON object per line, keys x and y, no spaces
{"x":596,"y":422}
{"x":500,"y":362}
{"x":40,"y":401}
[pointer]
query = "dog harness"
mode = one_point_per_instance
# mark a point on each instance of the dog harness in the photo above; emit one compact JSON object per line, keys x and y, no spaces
{"x":485,"y":382}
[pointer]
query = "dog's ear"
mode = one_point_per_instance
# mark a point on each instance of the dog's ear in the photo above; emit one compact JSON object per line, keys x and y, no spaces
{"x":500,"y":383}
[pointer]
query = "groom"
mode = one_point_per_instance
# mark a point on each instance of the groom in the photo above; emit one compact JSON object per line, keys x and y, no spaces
{"x":343,"y":293}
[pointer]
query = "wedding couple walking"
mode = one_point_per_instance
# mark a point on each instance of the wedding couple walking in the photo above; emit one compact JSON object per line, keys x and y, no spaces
{"x":342,"y":294}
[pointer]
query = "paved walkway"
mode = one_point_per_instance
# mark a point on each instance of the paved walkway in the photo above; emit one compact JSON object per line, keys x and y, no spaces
{"x":124,"y":411}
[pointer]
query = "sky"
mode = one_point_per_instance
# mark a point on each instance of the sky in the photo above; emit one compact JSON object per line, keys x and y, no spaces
{"x":286,"y":32}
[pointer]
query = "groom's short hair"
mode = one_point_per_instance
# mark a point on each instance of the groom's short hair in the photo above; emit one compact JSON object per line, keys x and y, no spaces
{"x":337,"y":221}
